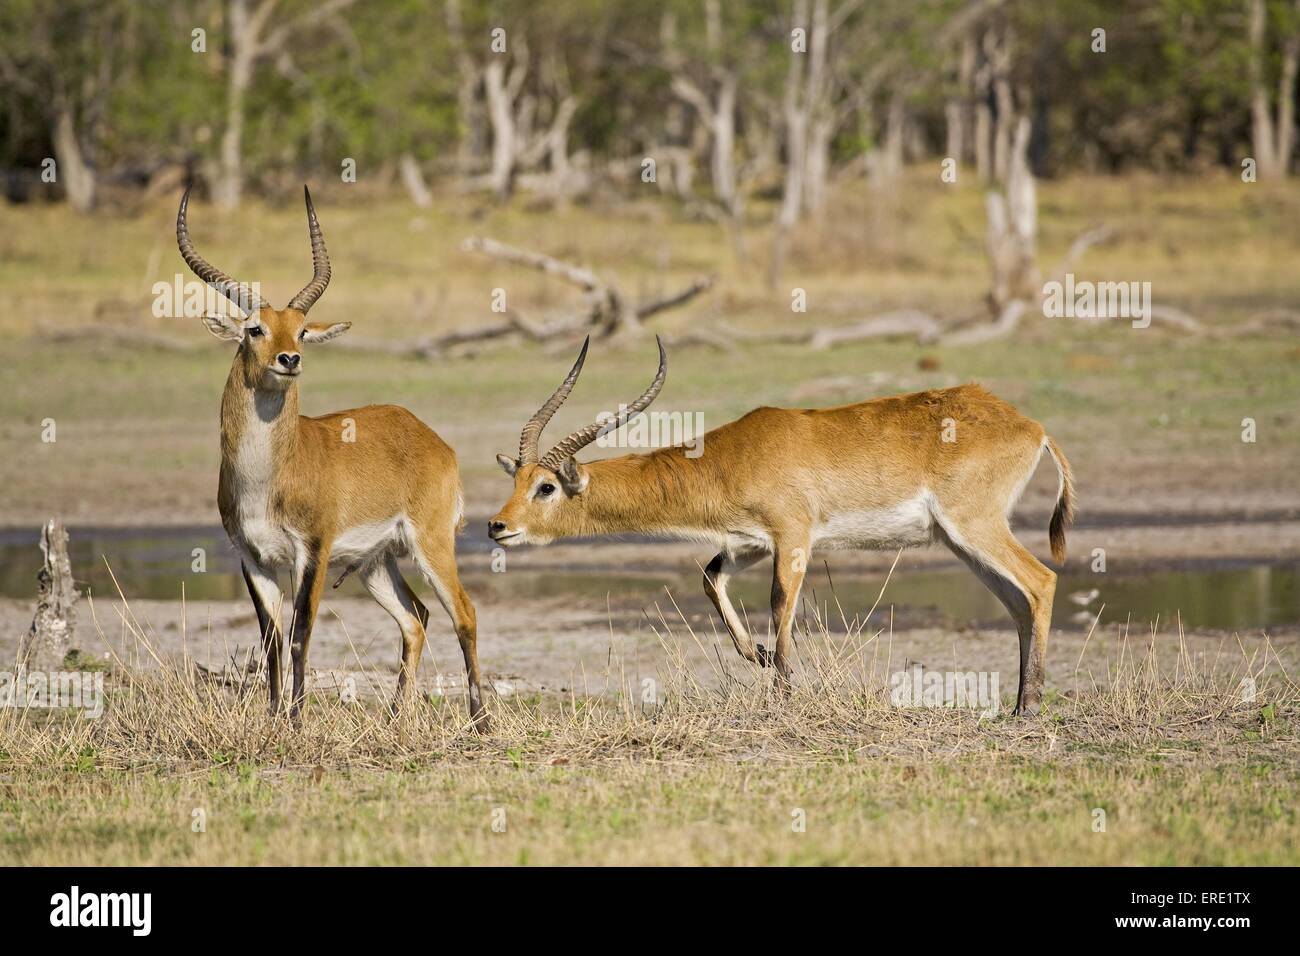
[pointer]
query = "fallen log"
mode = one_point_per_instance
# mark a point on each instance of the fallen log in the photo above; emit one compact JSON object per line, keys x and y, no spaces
{"x":903,"y":323}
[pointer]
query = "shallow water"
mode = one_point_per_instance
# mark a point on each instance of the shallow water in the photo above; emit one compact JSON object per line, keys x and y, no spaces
{"x":154,"y":563}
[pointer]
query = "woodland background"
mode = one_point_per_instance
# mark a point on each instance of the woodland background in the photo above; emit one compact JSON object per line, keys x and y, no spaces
{"x":414,"y":92}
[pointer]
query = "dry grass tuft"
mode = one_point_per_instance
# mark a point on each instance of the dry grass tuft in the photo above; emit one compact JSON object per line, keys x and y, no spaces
{"x":170,"y":714}
{"x":184,"y":766}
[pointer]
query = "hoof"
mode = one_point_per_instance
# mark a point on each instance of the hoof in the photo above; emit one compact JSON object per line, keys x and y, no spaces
{"x":764,"y":658}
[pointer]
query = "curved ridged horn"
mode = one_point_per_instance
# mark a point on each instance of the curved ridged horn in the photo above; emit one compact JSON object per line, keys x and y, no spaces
{"x":320,"y":263}
{"x":533,"y":430}
{"x":580,"y":439}
{"x":237,"y":292}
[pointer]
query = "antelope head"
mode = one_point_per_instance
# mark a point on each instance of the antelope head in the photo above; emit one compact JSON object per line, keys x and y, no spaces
{"x":549,"y":488}
{"x":270,"y":340}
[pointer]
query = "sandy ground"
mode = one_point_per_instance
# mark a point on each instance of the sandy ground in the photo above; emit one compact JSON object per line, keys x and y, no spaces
{"x":599,"y":643}
{"x":550,"y":646}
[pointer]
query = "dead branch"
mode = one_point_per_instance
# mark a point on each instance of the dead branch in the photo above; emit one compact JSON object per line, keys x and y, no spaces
{"x":584,"y":278}
{"x":607,"y":314}
{"x":677,"y":298}
{"x":800,"y":337}
{"x":1082,"y":243}
{"x":1176,"y":318}
{"x":1005,"y":324}
{"x":1263,"y":322}
{"x":708,"y":338}
{"x":903,"y":323}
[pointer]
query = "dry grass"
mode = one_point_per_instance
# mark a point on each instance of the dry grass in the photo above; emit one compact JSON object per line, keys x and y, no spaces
{"x":718,"y":769}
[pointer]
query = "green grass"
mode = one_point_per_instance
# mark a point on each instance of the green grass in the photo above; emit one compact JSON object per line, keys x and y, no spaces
{"x":997,"y":808}
{"x":1131,"y":407}
{"x":140,"y":429}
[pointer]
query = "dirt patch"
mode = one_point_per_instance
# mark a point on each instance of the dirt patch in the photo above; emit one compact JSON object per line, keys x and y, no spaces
{"x":591,"y":647}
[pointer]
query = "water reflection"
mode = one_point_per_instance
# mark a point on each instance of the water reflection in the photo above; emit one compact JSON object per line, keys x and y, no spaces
{"x":152,"y":563}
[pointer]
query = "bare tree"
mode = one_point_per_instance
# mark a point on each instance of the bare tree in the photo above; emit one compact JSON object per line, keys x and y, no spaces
{"x":251,"y":40}
{"x":521,"y":139}
{"x":959,"y":109}
{"x":1013,"y":228}
{"x":471,"y":144}
{"x":803,"y":94}
{"x":711,"y":90}
{"x":1273,"y":140}
{"x":68,"y":62}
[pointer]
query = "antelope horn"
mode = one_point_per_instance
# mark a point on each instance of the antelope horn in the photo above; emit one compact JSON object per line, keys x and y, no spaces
{"x":585,"y":436}
{"x":533,"y":430}
{"x":320,"y":263}
{"x":237,"y":292}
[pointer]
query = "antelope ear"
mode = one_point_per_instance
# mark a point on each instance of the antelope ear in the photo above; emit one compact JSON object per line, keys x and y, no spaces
{"x":572,"y":478}
{"x":320,"y":332}
{"x":225,"y":327}
{"x":508,"y":464}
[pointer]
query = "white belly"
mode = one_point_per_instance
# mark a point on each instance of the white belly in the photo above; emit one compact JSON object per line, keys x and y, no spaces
{"x":275,"y":546}
{"x":367,"y":542}
{"x":907,"y":524}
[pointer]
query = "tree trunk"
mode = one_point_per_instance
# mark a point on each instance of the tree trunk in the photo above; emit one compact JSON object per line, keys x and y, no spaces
{"x":983,"y":121}
{"x":413,"y":180}
{"x":77,"y":177}
{"x":966,"y":98}
{"x":501,"y":116}
{"x":470,"y":143}
{"x":239,"y":76}
{"x":999,"y":52}
{"x":1285,"y":130}
{"x":567,"y":181}
{"x":50,"y":637}
{"x":817,"y":164}
{"x":723,"y":165}
{"x":800,"y":104}
{"x":796,"y":134}
{"x":1013,"y":229}
{"x":792,"y":192}
{"x":1261,"y":118}
{"x":952,"y":115}
{"x":895,"y":125}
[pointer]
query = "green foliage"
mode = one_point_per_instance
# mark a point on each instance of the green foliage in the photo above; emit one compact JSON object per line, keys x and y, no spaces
{"x":375,"y":81}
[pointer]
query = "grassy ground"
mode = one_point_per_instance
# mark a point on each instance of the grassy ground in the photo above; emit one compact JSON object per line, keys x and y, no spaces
{"x":995,"y":808}
{"x":1186,"y":768}
{"x":1166,"y":759}
{"x":137,"y":433}
{"x":1151,"y":419}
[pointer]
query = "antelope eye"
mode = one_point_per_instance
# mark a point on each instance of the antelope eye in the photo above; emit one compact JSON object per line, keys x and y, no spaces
{"x":255,"y":330}
{"x":545,"y":490}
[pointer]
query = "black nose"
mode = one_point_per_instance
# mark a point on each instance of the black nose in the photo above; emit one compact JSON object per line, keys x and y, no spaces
{"x":289,"y":360}
{"x":496,"y":527}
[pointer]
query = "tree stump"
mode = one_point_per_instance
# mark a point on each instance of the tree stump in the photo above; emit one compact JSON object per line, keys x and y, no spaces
{"x":50,"y":637}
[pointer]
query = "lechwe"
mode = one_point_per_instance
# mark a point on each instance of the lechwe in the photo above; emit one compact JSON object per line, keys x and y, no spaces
{"x":945,"y":465}
{"x":361,"y":486}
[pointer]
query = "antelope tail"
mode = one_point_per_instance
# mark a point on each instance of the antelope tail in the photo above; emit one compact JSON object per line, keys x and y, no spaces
{"x":1063,"y":516}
